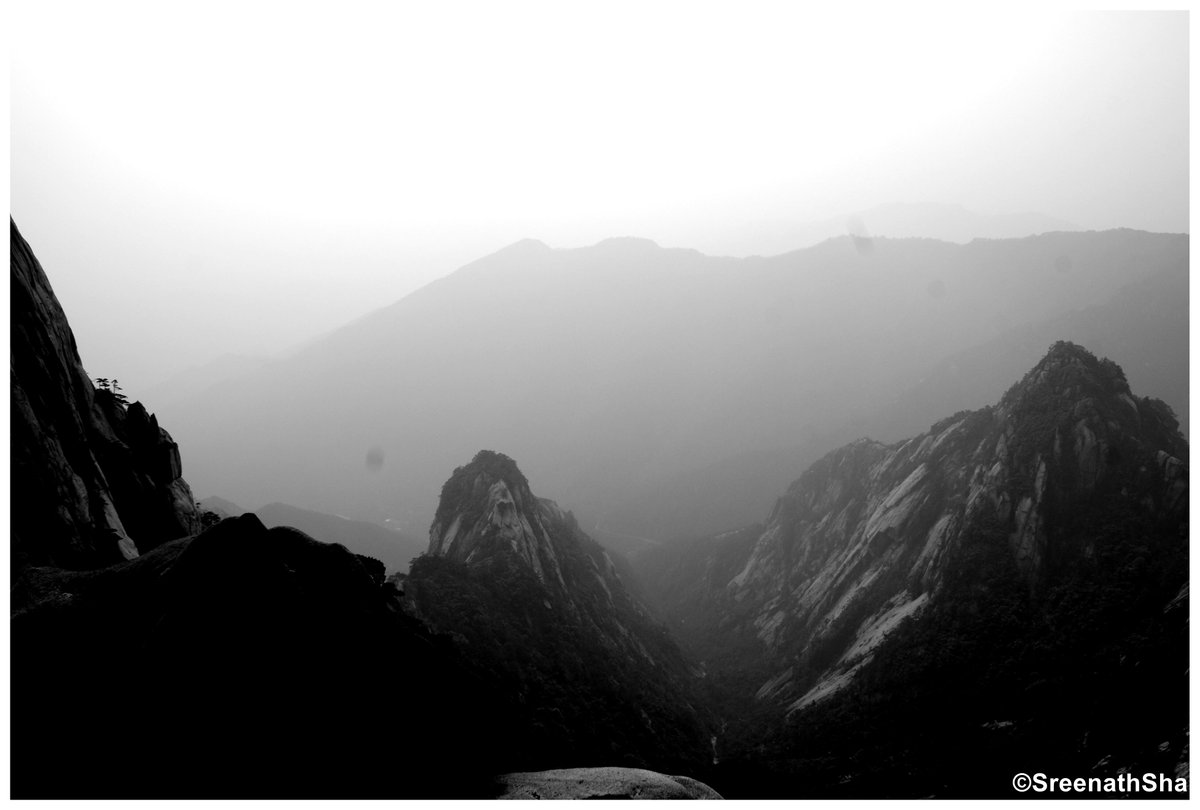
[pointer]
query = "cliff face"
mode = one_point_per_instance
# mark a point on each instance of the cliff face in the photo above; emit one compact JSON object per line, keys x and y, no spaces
{"x":488,"y":510}
{"x":93,"y":482}
{"x":982,"y":587}
{"x":863,"y":539}
{"x":859,"y":543}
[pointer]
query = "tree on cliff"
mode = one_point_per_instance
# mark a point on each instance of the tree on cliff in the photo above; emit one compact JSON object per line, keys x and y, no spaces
{"x":112,"y":387}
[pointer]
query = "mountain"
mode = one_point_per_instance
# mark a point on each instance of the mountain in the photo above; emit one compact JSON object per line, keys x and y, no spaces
{"x":394,"y":549}
{"x":541,"y":610}
{"x":1145,"y":323}
{"x":220,"y":507}
{"x":945,"y":222}
{"x":655,"y":365}
{"x":190,"y":382}
{"x":245,"y":662}
{"x":293,"y":659}
{"x":94,"y":481}
{"x":916,"y":618}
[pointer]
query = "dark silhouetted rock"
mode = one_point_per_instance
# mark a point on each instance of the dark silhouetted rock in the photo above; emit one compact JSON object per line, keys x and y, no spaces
{"x":243,"y":663}
{"x":93,"y":481}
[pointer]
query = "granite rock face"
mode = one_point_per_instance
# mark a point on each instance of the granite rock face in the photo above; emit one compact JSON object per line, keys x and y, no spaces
{"x":487,"y":512}
{"x":544,"y":612}
{"x":856,"y":545}
{"x":602,"y":783}
{"x":94,"y":481}
{"x":859,"y":544}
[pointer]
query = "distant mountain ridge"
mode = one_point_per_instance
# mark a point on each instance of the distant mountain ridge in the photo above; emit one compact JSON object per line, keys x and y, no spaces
{"x":665,"y":362}
{"x":392,"y":548}
{"x":900,"y":220}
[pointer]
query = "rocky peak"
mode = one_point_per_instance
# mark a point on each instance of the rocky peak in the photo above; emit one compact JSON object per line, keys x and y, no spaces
{"x":862,"y":540}
{"x":1068,"y":372}
{"x":487,"y":508}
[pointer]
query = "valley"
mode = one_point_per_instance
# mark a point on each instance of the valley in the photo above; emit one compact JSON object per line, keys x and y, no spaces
{"x":921,"y":616}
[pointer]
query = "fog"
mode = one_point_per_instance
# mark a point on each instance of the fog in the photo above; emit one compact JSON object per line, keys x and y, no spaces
{"x":636,"y":399}
{"x":244,"y":178}
{"x":659,"y":392}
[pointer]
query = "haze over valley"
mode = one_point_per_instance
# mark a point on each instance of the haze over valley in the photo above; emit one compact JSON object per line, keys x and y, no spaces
{"x":533,"y":401}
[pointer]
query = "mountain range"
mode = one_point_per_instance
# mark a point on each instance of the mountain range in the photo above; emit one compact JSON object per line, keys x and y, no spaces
{"x":393,"y":548}
{"x":899,"y":220}
{"x":1004,"y":591}
{"x":663,"y":367}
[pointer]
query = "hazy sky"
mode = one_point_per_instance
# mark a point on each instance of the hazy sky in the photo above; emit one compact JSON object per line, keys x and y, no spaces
{"x":203,"y":178}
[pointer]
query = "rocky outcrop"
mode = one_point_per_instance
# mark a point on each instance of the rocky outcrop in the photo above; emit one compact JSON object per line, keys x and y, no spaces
{"x":487,"y":508}
{"x":859,"y":544}
{"x":602,"y":783}
{"x":487,"y":511}
{"x":542,"y":610}
{"x":93,"y":481}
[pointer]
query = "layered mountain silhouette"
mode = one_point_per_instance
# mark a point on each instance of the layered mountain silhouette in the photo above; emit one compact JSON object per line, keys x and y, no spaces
{"x":660,"y":367}
{"x":946,"y":222}
{"x":250,"y":662}
{"x":150,"y":660}
{"x":1008,"y":559}
{"x":392,"y":548}
{"x":1005,"y":592}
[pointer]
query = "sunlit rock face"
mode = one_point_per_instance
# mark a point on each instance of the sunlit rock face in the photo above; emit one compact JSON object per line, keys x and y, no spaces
{"x":859,"y":544}
{"x":94,"y":481}
{"x":487,"y":509}
{"x":601,"y":783}
{"x":542,"y":609}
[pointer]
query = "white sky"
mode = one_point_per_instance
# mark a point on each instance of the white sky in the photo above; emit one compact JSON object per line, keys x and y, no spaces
{"x":202,"y":178}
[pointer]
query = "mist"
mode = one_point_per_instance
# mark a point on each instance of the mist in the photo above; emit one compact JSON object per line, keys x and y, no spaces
{"x":247,"y":176}
{"x":636,"y":400}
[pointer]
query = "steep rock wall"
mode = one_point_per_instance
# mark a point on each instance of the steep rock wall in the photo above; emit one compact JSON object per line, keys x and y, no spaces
{"x":93,"y":481}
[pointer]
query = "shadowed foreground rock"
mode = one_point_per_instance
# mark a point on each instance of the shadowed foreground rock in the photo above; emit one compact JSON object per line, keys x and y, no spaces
{"x":245,"y":662}
{"x":602,"y":783}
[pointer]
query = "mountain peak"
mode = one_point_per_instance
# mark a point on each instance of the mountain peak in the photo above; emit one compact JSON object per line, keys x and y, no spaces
{"x":1071,"y":371}
{"x":496,"y":467}
{"x":627,"y":243}
{"x":526,"y":246}
{"x":486,"y":508}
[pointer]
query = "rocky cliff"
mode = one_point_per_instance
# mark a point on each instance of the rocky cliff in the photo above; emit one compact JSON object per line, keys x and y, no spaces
{"x":542,"y":609}
{"x":859,"y":542}
{"x":94,"y":482}
{"x":1054,"y":521}
{"x":487,"y":510}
